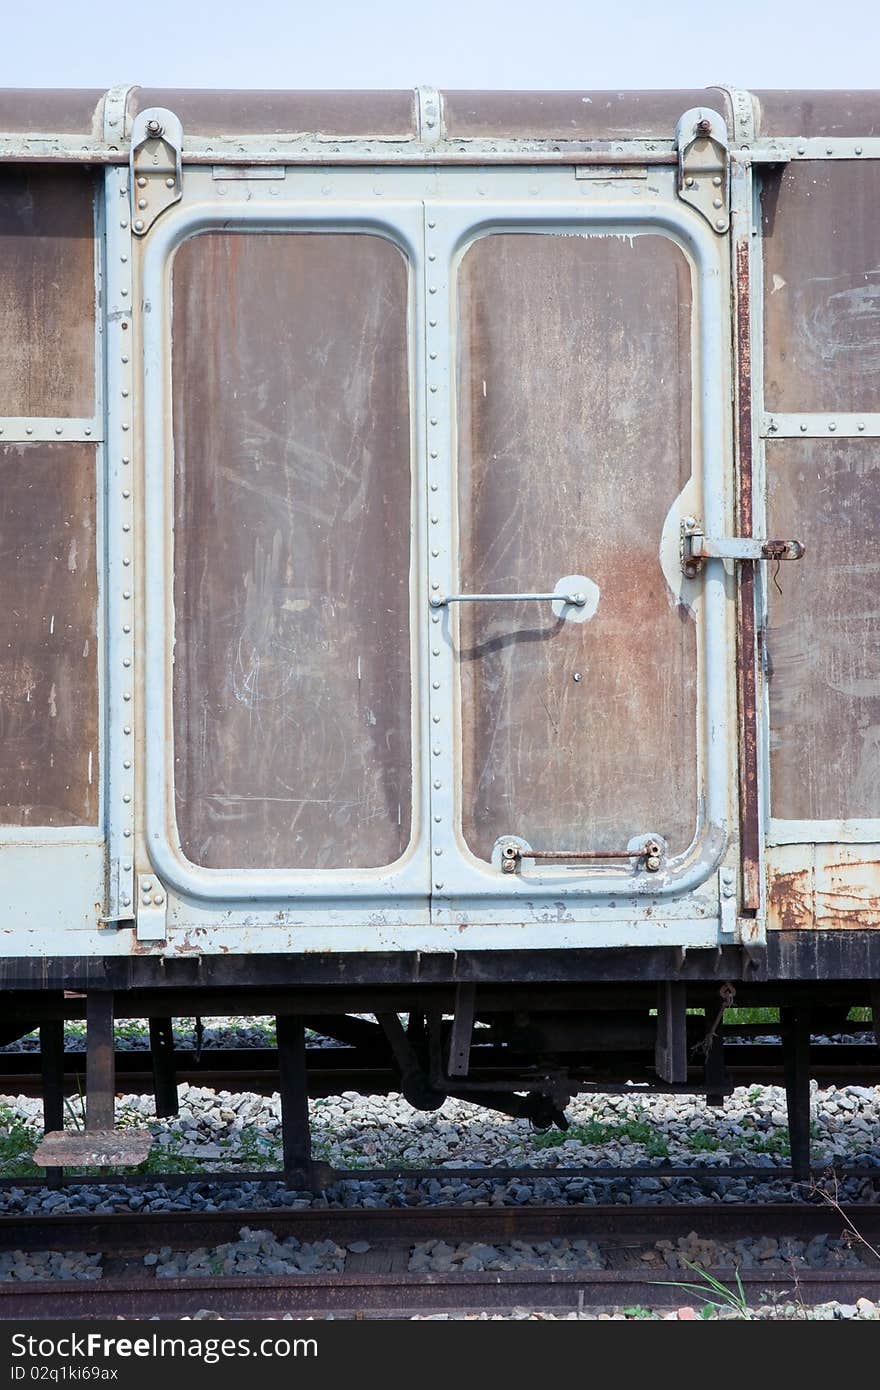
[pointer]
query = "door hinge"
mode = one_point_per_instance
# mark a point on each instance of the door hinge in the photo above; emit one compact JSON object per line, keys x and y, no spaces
{"x":697,"y":547}
{"x":704,"y":165}
{"x":156,"y":171}
{"x":152,"y":905}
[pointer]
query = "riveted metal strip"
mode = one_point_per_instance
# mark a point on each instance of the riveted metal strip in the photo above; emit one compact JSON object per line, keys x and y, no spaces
{"x":442,"y":573}
{"x":115,"y":114}
{"x":837,"y":147}
{"x":743,"y":114}
{"x":48,"y":429}
{"x":120,"y":602}
{"x":430,"y":115}
{"x":844,"y":425}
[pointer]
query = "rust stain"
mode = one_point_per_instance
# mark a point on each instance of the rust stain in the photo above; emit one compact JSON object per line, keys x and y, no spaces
{"x":790,"y":901}
{"x":745,"y":643}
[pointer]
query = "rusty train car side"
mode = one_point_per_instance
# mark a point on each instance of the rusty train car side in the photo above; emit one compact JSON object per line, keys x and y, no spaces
{"x":437,"y":535}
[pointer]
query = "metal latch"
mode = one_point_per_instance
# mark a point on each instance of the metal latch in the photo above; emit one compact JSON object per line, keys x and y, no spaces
{"x":704,"y":165}
{"x":574,"y":596}
{"x":513,"y":853}
{"x":156,"y":172}
{"x":697,"y":547}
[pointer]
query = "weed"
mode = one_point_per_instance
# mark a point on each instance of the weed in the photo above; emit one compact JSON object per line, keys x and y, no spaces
{"x":17,"y":1143}
{"x":596,"y":1132}
{"x":723,"y":1299}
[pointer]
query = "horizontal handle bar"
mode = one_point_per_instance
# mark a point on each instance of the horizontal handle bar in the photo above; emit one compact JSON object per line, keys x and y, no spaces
{"x":441,"y":601}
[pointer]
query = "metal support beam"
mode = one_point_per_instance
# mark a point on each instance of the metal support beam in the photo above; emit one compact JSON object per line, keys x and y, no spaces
{"x":296,"y":1134}
{"x":100,"y":1062}
{"x":52,"y":1075}
{"x":796,"y":1043}
{"x":670,"y":1050}
{"x":164,"y":1068}
{"x":462,"y":1030}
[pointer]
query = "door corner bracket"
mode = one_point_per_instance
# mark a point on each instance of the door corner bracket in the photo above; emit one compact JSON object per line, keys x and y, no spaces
{"x":152,"y":906}
{"x":704,"y":165}
{"x":155,"y":166}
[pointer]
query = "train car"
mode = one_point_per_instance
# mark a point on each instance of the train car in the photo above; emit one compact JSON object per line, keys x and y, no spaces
{"x":438,"y":556}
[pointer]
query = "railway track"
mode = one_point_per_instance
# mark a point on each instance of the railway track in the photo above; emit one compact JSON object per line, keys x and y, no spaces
{"x":377,"y":1282}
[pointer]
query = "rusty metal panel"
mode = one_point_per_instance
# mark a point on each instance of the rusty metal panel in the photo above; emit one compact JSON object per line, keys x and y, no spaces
{"x":822,"y":286}
{"x":48,"y":635}
{"x":571,"y":115}
{"x":575,"y":735}
{"x":30,"y":111}
{"x":47,"y":292}
{"x":818,"y":113}
{"x":386,"y":115}
{"x":824,"y":887}
{"x":292,"y":703}
{"x":823,"y":636}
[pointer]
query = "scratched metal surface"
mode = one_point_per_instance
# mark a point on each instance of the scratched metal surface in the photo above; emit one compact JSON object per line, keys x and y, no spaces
{"x":292,"y":709}
{"x":48,"y":641}
{"x":814,"y":113}
{"x":822,"y":287}
{"x":47,"y":292}
{"x":574,"y":406}
{"x":389,"y":114}
{"x":571,"y":115}
{"x":823,"y":636}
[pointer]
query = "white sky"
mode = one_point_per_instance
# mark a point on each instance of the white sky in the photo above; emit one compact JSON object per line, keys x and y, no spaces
{"x":579,"y":44}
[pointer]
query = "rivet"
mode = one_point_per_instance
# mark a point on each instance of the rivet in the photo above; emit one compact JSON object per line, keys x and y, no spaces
{"x":577,"y":676}
{"x":720,"y":224}
{"x":717,"y":181}
{"x":124,"y":327}
{"x":126,"y":834}
{"x":433,"y":453}
{"x":435,"y":719}
{"x":138,"y":226}
{"x":438,"y":819}
{"x":126,"y":798}
{"x":435,"y":585}
{"x":435,"y":651}
{"x":861,"y":425}
{"x":434,"y":487}
{"x":125,"y":458}
{"x":124,"y":223}
{"x":436,"y":750}
{"x":126,"y":494}
{"x":142,"y":203}
{"x":125,"y":391}
{"x":438,"y":885}
{"x":437,"y":786}
{"x":801,"y":149}
{"x":127,"y":729}
{"x":127,"y":696}
{"x":58,"y":429}
{"x":438,"y":852}
{"x":716,"y":203}
{"x":831,"y":425}
{"x":87,"y":431}
{"x":434,"y":520}
{"x":435,"y":617}
{"x":803,"y":429}
{"x":125,"y":359}
{"x":169,"y":183}
{"x":433,"y":356}
{"x":123,"y":259}
{"x":127,"y":868}
{"x":158,"y":899}
{"x":147,"y":885}
{"x":126,"y":902}
{"x":432,"y":257}
{"x":432,"y":289}
{"x":689,"y":183}
{"x":433,"y":422}
{"x":126,"y":627}
{"x":829,"y":149}
{"x":126,"y":560}
{"x":435,"y":553}
{"x":432,"y":224}
{"x":142,"y":182}
{"x":126,"y":661}
{"x":126,"y":765}
{"x":432,"y":323}
{"x":28,"y":430}
{"x":125,"y":427}
{"x":126,"y":593}
{"x":858,"y":149}
{"x":126,"y":526}
{"x":435,"y":685}
{"x":433,"y":390}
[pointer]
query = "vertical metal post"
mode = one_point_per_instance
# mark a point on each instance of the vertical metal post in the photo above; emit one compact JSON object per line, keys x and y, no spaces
{"x":100,"y":1061}
{"x":796,"y":1044}
{"x":462,"y":1030}
{"x":296,"y":1132}
{"x":52,"y":1072}
{"x":670,"y":1050}
{"x":164,"y":1069}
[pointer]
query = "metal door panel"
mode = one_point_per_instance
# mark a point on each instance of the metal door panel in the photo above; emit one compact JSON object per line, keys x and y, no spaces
{"x":460,"y":878}
{"x":264,"y":876}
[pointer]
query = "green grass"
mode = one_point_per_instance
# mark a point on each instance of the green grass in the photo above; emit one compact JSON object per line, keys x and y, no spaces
{"x":17,"y":1143}
{"x":597,"y":1132}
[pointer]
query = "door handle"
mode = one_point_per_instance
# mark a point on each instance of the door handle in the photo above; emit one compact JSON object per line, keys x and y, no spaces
{"x":442,"y":600}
